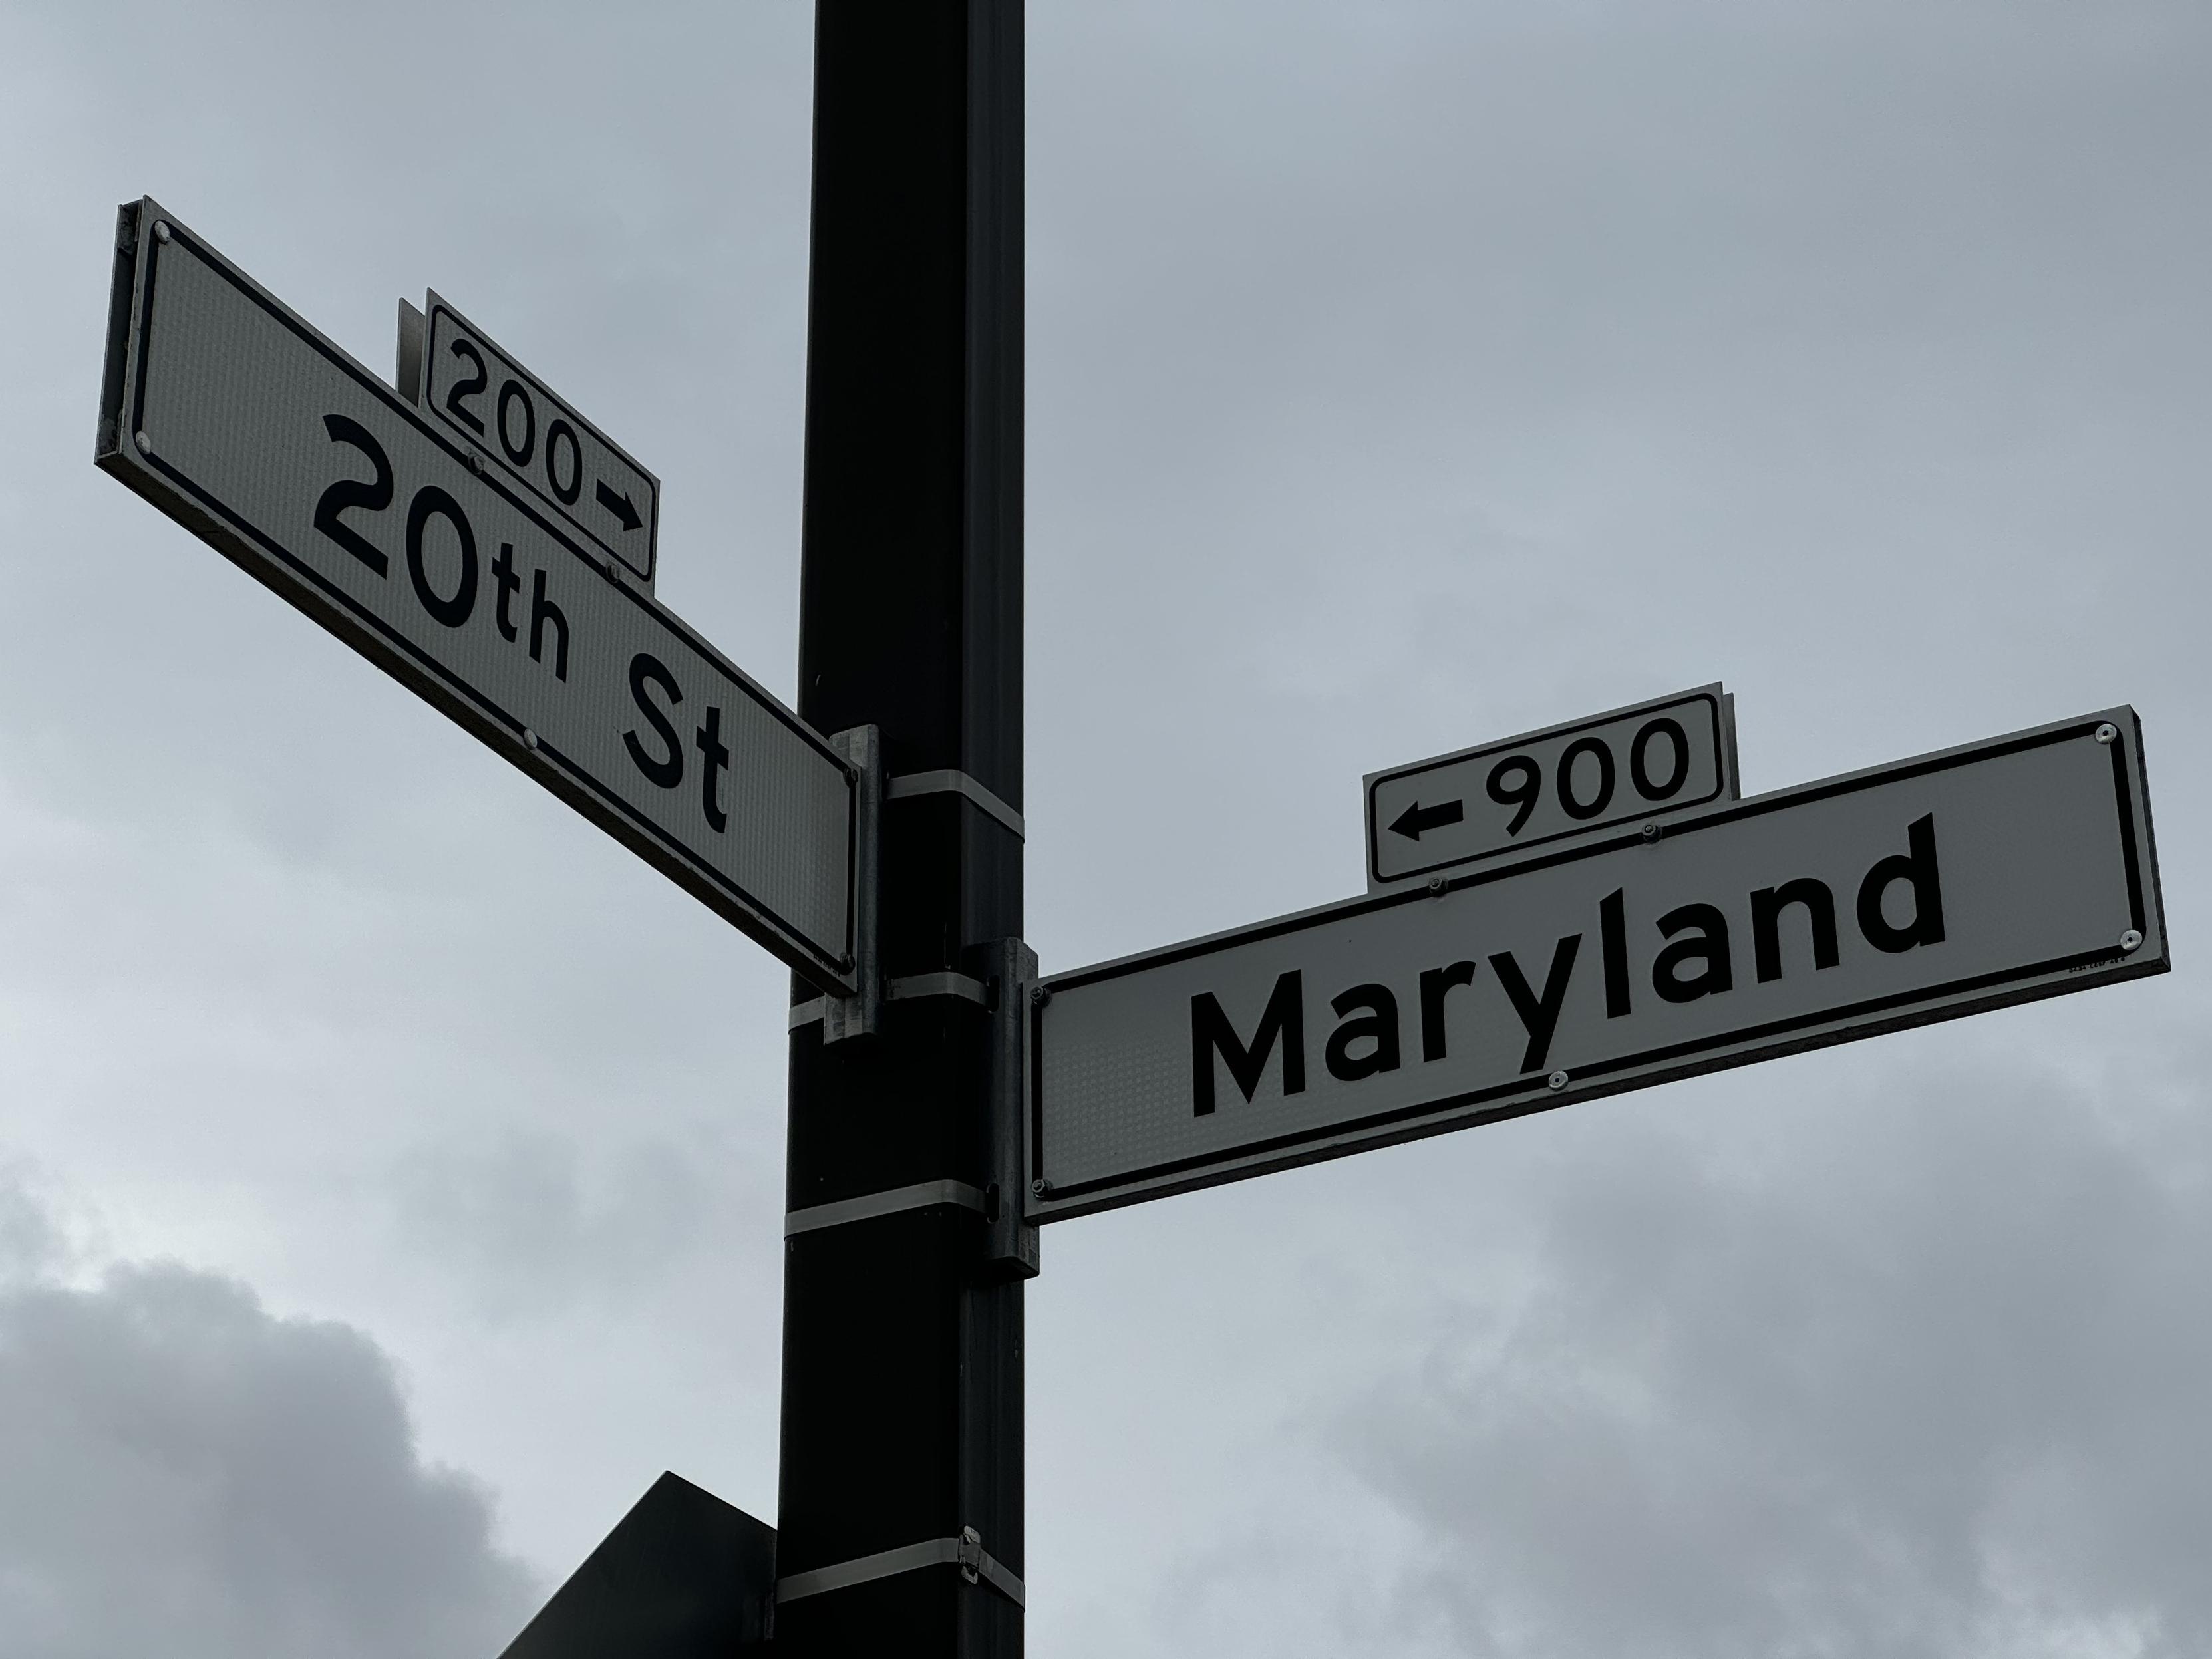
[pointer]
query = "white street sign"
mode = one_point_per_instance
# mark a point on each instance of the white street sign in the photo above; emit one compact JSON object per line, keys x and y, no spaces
{"x":239,"y":421}
{"x":1642,"y":764}
{"x":501,"y":408}
{"x":2009,"y":870}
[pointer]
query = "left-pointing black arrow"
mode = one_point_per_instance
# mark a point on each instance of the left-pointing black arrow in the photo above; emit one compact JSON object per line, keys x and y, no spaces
{"x":1416,"y":818}
{"x":619,"y":506}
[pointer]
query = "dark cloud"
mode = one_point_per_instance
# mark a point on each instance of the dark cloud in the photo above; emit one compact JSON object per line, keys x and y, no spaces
{"x":1932,"y":1383}
{"x":182,"y":1474}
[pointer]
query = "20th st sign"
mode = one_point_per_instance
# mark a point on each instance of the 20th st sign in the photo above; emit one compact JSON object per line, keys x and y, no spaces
{"x":235,"y":417}
{"x":2018,"y":868}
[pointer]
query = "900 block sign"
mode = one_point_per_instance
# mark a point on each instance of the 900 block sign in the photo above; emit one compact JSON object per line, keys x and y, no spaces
{"x":1642,"y":763}
{"x":239,"y":421}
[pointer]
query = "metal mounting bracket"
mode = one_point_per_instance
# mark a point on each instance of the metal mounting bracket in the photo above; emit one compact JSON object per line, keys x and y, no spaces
{"x":910,"y":988}
{"x":1011,"y":1243}
{"x":407,"y":366}
{"x":862,"y":1013}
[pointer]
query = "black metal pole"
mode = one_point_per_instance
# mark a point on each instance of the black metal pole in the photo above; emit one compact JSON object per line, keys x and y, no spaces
{"x":901,"y":1344}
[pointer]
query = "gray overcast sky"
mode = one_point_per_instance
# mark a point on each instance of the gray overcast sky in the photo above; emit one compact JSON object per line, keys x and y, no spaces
{"x":391,"y":1166}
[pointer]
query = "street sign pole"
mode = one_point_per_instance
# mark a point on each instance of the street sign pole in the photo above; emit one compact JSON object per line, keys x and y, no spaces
{"x":899,"y":1518}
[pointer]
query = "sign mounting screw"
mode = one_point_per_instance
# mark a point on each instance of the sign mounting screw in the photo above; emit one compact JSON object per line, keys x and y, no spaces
{"x":145,"y":443}
{"x":1040,"y":1186}
{"x":1556,"y":1081}
{"x":160,"y":230}
{"x":529,"y":739}
{"x":1040,"y":995}
{"x":1649,"y":832}
{"x":2107,"y":733}
{"x":1437,"y":885}
{"x":2131,"y":941}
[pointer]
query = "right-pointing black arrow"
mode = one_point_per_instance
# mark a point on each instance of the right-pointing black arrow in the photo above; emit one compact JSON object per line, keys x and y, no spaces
{"x":1417,"y":818}
{"x":619,"y":506}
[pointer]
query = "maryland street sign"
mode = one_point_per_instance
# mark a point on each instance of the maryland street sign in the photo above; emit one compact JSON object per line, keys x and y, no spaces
{"x":2009,"y":870}
{"x":493,"y":403}
{"x":1640,"y":764}
{"x":239,"y":421}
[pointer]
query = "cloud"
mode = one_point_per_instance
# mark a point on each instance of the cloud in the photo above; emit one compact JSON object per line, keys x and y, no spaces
{"x":182,"y":1473}
{"x":1931,"y":1384}
{"x":29,"y":1241}
{"x":529,"y":1225}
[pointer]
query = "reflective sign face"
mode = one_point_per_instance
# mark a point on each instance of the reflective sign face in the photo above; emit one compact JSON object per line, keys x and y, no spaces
{"x":2011,"y":870}
{"x":241,"y":423}
{"x":1635,"y":765}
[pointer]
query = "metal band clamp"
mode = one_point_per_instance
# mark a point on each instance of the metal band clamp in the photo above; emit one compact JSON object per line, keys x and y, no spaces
{"x":966,"y":1551}
{"x":950,"y":781}
{"x":903,"y":990}
{"x":919,"y":1196}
